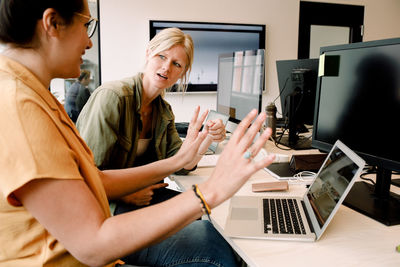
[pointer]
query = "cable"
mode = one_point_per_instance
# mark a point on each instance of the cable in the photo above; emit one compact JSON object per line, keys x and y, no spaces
{"x":283,"y":89}
{"x":277,"y":141}
{"x":368,"y":170}
{"x":302,"y":177}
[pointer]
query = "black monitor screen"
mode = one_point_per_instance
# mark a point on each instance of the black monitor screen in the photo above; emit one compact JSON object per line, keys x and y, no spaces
{"x":360,"y":105}
{"x":358,"y":101}
{"x":240,"y":83}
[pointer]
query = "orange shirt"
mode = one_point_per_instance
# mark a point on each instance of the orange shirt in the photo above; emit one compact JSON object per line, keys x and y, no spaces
{"x":37,"y":140}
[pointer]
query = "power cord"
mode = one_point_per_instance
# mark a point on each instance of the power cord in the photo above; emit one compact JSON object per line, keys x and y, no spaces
{"x":302,"y":177}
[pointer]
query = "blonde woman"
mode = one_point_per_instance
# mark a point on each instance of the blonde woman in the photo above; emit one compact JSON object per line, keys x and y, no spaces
{"x":128,"y":123}
{"x":54,"y":200}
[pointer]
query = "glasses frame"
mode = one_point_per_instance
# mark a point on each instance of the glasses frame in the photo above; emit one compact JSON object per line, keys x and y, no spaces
{"x":87,"y":24}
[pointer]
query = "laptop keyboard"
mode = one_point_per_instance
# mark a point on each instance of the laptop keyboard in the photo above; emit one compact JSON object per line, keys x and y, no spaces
{"x":282,"y":216}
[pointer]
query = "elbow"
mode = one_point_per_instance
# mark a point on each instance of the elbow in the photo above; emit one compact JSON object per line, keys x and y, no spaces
{"x":93,"y":254}
{"x":92,"y":259}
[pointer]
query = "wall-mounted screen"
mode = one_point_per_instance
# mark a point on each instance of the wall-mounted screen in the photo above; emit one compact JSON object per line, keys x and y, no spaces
{"x":211,"y":40}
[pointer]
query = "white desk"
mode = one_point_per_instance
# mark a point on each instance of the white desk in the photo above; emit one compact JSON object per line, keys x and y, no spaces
{"x":351,"y":239}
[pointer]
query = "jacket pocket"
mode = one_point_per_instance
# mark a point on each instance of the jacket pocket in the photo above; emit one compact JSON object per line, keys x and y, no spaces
{"x":120,"y":154}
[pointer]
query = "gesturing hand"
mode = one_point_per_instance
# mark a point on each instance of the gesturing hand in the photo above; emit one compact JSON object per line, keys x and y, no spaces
{"x":190,"y":147}
{"x":235,"y":165}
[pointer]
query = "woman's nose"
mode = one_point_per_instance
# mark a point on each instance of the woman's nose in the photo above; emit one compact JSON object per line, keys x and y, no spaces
{"x":166,"y":65}
{"x":90,"y":44}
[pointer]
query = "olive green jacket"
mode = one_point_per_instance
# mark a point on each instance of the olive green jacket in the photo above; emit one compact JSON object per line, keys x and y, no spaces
{"x":110,"y":124}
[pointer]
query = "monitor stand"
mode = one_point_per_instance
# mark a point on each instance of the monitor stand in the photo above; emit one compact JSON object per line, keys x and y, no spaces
{"x":295,"y":126}
{"x":376,"y":201}
{"x":300,"y":144}
{"x":396,"y":182}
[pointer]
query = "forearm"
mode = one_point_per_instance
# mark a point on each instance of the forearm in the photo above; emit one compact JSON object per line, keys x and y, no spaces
{"x":118,"y":183}
{"x":92,"y":238}
{"x":146,"y":226}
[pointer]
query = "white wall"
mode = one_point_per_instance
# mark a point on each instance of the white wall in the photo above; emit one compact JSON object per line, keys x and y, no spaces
{"x":124,"y":34}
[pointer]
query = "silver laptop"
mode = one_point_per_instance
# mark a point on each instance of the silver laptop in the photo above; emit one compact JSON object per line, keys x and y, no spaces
{"x":292,"y":218}
{"x":212,"y":114}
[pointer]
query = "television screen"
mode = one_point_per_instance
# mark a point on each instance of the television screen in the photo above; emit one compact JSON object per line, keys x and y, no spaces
{"x":210,"y":40}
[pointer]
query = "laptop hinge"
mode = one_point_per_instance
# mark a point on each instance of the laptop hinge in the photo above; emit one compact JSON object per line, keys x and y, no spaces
{"x":308,"y":217}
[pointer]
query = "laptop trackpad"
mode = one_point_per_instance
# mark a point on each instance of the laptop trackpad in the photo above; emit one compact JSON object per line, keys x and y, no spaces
{"x":244,"y":214}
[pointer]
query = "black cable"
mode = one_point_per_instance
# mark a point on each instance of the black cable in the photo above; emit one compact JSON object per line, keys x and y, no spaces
{"x":368,"y":170}
{"x":277,"y":141}
{"x":280,"y":93}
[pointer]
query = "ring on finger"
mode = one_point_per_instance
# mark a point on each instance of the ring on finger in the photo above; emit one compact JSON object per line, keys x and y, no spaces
{"x":247,"y":155}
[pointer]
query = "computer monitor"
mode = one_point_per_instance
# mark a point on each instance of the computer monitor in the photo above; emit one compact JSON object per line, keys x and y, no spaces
{"x":358,"y":101}
{"x":240,"y":84}
{"x":297,"y":81}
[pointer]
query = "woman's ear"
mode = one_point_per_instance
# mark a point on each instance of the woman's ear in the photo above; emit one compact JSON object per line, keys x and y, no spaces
{"x":51,"y":22}
{"x":148,"y":52}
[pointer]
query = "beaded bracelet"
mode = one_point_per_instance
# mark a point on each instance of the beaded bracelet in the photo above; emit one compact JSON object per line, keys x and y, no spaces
{"x":205,"y":208}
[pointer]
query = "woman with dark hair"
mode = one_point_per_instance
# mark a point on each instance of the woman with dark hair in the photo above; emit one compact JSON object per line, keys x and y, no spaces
{"x":54,"y":201}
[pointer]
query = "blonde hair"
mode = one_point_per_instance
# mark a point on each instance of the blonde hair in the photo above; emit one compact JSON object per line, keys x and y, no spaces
{"x":168,"y":38}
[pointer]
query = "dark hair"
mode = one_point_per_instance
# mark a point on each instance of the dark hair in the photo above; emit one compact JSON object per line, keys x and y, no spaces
{"x":18,"y":18}
{"x":84,"y":74}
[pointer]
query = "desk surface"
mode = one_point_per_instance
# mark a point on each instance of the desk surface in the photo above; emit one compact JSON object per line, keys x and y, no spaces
{"x":351,"y":239}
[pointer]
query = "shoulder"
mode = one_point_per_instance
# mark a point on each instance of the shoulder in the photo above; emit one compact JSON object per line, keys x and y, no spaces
{"x":124,"y":92}
{"x":31,"y":123}
{"x":75,"y":86}
{"x":122,"y":88}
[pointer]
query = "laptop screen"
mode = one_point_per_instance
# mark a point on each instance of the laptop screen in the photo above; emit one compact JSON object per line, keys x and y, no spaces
{"x":331,"y":183}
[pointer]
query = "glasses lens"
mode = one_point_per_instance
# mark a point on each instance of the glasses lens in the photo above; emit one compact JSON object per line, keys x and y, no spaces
{"x":91,"y":28}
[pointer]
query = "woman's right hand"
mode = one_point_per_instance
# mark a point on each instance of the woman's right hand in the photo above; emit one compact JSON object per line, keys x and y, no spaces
{"x":143,"y":197}
{"x":194,"y":138}
{"x":233,"y":167}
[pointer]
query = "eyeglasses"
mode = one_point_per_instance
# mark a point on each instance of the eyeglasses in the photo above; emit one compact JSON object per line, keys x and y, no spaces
{"x":90,"y":25}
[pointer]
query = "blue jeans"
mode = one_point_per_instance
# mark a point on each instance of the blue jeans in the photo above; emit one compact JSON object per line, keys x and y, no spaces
{"x":198,"y":244}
